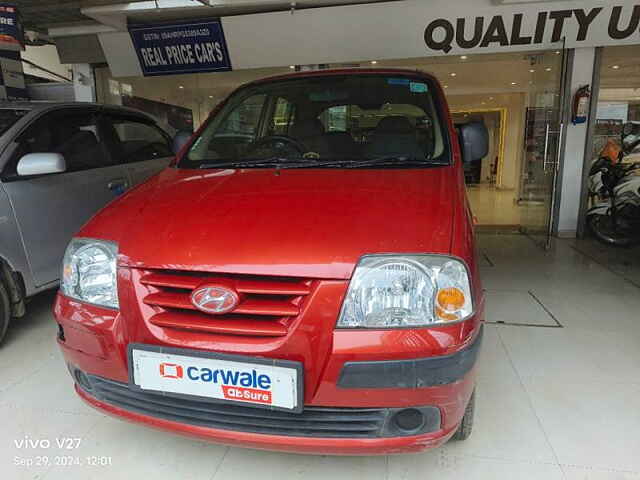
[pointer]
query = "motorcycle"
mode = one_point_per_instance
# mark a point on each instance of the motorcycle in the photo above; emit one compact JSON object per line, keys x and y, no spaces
{"x":614,"y":191}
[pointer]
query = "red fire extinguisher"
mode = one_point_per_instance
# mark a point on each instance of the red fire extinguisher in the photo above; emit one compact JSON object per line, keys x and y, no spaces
{"x":581,"y":105}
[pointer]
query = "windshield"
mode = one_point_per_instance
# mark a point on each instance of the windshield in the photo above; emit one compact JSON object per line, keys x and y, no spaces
{"x":9,"y":116}
{"x":329,"y":121}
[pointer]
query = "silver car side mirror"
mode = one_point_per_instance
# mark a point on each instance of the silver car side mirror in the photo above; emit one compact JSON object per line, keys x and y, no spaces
{"x":41,"y":164}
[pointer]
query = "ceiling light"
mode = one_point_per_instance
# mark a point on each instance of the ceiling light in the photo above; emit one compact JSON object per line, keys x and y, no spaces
{"x":490,"y":98}
{"x":484,"y":103}
{"x":210,"y":96}
{"x":533,"y":70}
{"x":463,"y":57}
{"x":181,"y":87}
{"x":616,"y":67}
{"x":514,"y":83}
{"x":453,"y":74}
{"x":548,"y":69}
{"x":557,"y":52}
{"x":373,"y":62}
{"x":292,"y":67}
{"x":446,"y":86}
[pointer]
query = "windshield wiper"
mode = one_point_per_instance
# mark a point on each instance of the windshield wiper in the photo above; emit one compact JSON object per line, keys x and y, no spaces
{"x":384,"y":161}
{"x":286,"y":163}
{"x":255,"y":163}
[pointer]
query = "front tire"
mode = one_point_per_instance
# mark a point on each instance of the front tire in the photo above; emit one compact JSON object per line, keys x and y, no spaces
{"x":5,"y":311}
{"x":603,"y":229}
{"x":466,"y":425}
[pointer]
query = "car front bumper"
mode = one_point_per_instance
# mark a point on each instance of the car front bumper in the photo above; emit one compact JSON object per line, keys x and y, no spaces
{"x":303,"y":445}
{"x":91,"y":344}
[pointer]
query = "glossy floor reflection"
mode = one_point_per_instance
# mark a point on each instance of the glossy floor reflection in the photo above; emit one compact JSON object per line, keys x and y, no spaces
{"x":552,"y":403}
{"x":491,"y":206}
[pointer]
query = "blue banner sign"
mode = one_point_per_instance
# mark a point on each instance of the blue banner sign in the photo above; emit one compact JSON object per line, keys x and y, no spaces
{"x":10,"y":28}
{"x":189,"y":47}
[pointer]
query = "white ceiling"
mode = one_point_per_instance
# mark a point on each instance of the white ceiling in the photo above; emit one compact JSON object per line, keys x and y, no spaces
{"x":490,"y":74}
{"x":480,"y":80}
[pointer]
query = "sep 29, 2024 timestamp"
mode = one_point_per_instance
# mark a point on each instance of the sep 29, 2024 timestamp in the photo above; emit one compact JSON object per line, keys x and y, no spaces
{"x":63,"y":461}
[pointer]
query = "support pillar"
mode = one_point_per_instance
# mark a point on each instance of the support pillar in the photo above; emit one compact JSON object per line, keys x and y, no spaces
{"x":570,"y":181}
{"x":84,"y":88}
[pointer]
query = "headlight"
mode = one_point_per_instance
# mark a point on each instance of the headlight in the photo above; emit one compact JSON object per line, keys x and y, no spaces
{"x":89,"y":272}
{"x":406,"y":291}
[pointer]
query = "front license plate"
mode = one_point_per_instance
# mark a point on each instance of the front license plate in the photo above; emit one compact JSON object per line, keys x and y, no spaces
{"x":226,"y":378}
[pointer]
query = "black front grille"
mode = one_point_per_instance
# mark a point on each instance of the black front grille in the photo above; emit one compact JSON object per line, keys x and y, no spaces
{"x":312,"y":422}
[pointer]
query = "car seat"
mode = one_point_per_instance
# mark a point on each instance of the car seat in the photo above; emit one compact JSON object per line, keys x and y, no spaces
{"x":311,"y":134}
{"x":395,"y":135}
{"x":81,"y":150}
{"x":342,"y":145}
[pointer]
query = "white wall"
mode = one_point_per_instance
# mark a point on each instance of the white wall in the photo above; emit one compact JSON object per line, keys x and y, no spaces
{"x":83,"y":83}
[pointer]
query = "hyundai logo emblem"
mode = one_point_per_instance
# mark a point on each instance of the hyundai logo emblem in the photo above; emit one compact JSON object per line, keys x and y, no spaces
{"x":214,"y":299}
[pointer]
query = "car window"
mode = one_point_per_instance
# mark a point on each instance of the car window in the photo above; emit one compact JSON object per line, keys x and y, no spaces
{"x":283,"y":117}
{"x":9,"y":117}
{"x":74,"y":135}
{"x":244,"y":119}
{"x":334,"y":119}
{"x":137,"y":141}
{"x":239,"y":128}
{"x":351,"y":119}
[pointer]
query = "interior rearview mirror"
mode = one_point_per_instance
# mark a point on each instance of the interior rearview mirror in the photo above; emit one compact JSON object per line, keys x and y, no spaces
{"x":41,"y":164}
{"x":180,"y":140}
{"x":474,"y":141}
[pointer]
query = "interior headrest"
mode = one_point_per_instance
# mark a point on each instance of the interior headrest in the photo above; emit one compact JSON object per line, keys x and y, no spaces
{"x":394,"y":124}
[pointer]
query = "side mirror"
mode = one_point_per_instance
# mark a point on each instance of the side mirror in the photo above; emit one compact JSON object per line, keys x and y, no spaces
{"x":180,"y":140}
{"x":474,"y":141}
{"x":41,"y":164}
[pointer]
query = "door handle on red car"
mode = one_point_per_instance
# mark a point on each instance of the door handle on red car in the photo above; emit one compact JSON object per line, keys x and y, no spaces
{"x":118,"y":185}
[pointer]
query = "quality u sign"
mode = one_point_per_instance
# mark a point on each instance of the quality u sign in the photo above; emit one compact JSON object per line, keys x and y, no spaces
{"x":578,"y":26}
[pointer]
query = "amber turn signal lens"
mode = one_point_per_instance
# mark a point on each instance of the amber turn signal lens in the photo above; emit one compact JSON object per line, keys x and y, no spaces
{"x":449,"y":301}
{"x":446,"y":316}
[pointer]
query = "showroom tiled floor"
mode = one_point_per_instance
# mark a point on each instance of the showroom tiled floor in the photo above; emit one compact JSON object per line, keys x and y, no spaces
{"x":553,"y":402}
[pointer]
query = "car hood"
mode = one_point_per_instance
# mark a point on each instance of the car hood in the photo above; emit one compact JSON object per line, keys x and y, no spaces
{"x":296,"y":222}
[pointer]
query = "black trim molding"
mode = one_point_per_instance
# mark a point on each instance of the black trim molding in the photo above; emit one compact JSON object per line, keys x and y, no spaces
{"x":414,"y":373}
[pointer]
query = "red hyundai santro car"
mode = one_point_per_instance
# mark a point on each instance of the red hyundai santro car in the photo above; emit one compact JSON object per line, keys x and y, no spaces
{"x":301,"y":278}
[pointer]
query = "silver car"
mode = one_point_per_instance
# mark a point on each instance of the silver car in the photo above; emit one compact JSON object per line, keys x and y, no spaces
{"x":60,"y":164}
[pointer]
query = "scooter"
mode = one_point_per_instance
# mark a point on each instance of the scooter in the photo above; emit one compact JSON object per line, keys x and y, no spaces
{"x":614,"y":192}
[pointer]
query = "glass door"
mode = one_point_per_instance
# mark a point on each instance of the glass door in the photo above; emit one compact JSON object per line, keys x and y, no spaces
{"x":544,"y":130}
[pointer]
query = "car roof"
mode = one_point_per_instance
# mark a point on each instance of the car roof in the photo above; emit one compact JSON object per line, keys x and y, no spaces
{"x":38,"y":106}
{"x":345,"y":71}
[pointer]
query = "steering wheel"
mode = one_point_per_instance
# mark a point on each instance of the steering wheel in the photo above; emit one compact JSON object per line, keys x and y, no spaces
{"x":279,"y":143}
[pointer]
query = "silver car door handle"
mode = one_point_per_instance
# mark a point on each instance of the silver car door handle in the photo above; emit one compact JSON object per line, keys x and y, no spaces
{"x":117,"y":183}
